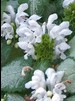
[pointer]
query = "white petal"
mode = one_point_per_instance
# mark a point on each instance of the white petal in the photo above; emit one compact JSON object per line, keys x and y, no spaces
{"x":60,"y":38}
{"x":59,"y":76}
{"x":5,"y":25}
{"x":57,"y":51}
{"x":64,"y":24}
{"x":60,"y":86}
{"x":10,"y":9}
{"x":26,"y":56}
{"x":63,"y":56}
{"x":6,"y":18}
{"x":49,"y":72}
{"x":39,"y":73}
{"x":38,"y":40}
{"x":67,"y":2}
{"x":65,"y":32}
{"x":64,"y":46}
{"x":22,"y":45}
{"x":39,"y":94}
{"x":28,"y":85}
{"x":7,"y":31}
{"x":22,"y":14}
{"x":22,"y":7}
{"x":33,"y":23}
{"x":56,"y":97}
{"x":22,"y":31}
{"x":35,"y":78}
{"x":44,"y":27}
{"x":52,"y":17}
{"x":35,"y":17}
{"x":54,"y":32}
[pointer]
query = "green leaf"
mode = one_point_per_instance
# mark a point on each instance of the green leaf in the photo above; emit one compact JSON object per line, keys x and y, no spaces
{"x":22,"y":1}
{"x":5,"y":52}
{"x":69,"y":67}
{"x":14,"y":97}
{"x":42,"y":65}
{"x":37,"y":6}
{"x":11,"y":79}
{"x":49,"y":9}
{"x":14,"y":3}
{"x":72,"y":50}
{"x":3,"y":5}
{"x":9,"y":52}
{"x":72,"y":98}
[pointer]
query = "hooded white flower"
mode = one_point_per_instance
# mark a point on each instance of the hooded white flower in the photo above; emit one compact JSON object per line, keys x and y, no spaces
{"x":55,"y":88}
{"x":6,"y":18}
{"x":7,"y":31}
{"x":67,"y":2}
{"x":10,"y":16}
{"x":22,"y":17}
{"x":61,"y":48}
{"x":50,"y":23}
{"x":30,"y":34}
{"x":38,"y":80}
{"x":11,"y":12}
{"x":59,"y":32}
{"x":53,"y":77}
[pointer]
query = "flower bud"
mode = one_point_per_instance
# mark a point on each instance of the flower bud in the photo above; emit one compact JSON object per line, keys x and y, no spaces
{"x":16,"y":36}
{"x":16,"y":45}
{"x":9,"y":42}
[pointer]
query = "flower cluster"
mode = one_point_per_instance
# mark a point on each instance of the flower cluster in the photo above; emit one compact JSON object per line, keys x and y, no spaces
{"x":51,"y":89}
{"x":30,"y":31}
{"x":7,"y":30}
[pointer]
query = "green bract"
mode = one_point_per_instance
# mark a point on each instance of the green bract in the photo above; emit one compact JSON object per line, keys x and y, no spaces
{"x":44,"y":50}
{"x":69,"y":15}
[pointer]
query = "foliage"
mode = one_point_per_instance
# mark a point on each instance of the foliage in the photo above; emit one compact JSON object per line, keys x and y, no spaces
{"x":69,"y":15}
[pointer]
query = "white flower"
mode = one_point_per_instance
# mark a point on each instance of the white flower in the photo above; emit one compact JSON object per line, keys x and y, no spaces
{"x":38,"y":80}
{"x":10,"y":16}
{"x":11,"y":11}
{"x":67,"y":2}
{"x":58,"y":32}
{"x":22,"y":17}
{"x":50,"y":23}
{"x":55,"y":88}
{"x":6,"y":18}
{"x":53,"y":77}
{"x":61,"y":48}
{"x":7,"y":31}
